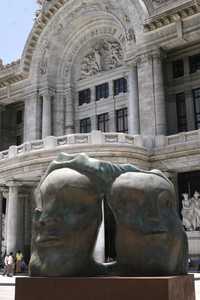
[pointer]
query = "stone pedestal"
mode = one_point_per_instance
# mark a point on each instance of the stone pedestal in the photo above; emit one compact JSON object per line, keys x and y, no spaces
{"x":194,"y":243}
{"x":111,"y":288}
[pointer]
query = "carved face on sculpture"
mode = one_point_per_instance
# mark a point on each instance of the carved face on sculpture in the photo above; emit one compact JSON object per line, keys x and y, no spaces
{"x":149,"y":231}
{"x":66,"y":228}
{"x":196,"y":195}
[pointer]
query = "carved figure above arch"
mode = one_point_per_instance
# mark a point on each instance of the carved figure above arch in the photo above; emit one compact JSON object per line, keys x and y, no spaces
{"x":104,"y":55}
{"x":44,"y":58}
{"x":92,"y":51}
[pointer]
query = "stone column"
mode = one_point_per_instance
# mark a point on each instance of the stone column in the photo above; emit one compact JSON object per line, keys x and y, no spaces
{"x":13,"y":219}
{"x":146,"y":95}
{"x":58,"y":114}
{"x":5,"y":195}
{"x":46,"y":116}
{"x":1,"y":219}
{"x":133,"y":102}
{"x":69,"y":111}
{"x":32,"y":118}
{"x":151,"y":94}
{"x":189,"y":107}
{"x":1,"y":124}
{"x":27,"y":221}
{"x":160,"y":110}
{"x":27,"y":224}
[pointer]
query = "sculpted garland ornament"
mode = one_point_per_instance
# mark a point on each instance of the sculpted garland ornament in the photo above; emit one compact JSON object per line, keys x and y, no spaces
{"x":104,"y":56}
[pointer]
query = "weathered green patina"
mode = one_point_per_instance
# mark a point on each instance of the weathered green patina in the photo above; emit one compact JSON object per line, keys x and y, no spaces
{"x":150,"y":238}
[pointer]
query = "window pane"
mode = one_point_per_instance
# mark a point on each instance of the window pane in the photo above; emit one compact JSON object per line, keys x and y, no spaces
{"x":196,"y":99}
{"x":181,"y":112}
{"x":85,"y":125}
{"x":103,"y":122}
{"x":120,"y":86}
{"x":102,"y":91}
{"x":194,"y":62}
{"x":84,"y":96}
{"x":122,"y":120}
{"x":19,"y":117}
{"x":19,"y":140}
{"x":178,"y":68}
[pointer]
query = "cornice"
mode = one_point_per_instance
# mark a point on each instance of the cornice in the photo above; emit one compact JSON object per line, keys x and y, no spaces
{"x":10,"y":73}
{"x":171,"y":16}
{"x":18,"y":70}
{"x":42,"y":18}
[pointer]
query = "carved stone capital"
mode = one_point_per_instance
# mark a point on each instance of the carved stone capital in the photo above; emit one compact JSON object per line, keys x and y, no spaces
{"x":132,"y":63}
{"x":4,"y":191}
{"x":13,"y":183}
{"x":158,"y":54}
{"x":47,"y":92}
{"x":154,"y":54}
{"x":144,"y":58}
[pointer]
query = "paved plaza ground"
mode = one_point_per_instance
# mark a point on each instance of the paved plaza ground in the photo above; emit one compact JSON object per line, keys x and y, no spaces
{"x":7,"y":287}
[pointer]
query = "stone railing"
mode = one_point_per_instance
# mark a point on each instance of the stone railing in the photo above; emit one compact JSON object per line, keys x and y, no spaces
{"x":176,"y":139}
{"x":93,"y":138}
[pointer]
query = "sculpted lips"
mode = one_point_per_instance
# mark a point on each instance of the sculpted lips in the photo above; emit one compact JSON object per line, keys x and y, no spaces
{"x":49,"y":240}
{"x":50,"y":236}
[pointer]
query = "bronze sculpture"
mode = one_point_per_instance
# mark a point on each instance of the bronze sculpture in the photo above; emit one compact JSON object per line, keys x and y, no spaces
{"x":150,"y":239}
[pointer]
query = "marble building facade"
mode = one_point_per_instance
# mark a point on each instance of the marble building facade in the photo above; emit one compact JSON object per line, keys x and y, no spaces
{"x":119,"y":80}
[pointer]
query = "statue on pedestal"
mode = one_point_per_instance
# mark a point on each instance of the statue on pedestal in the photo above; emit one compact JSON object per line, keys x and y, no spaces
{"x":191,"y":211}
{"x":150,"y":240}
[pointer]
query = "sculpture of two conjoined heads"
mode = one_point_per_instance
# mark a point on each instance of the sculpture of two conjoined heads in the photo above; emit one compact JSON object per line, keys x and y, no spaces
{"x":149,"y":241}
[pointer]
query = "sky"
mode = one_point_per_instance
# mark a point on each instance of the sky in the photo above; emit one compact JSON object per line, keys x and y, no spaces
{"x":16,"y":21}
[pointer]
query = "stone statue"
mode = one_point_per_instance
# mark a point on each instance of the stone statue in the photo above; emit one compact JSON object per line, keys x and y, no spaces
{"x":191,"y":211}
{"x":196,"y":201}
{"x":150,"y":238}
{"x":187,"y":213}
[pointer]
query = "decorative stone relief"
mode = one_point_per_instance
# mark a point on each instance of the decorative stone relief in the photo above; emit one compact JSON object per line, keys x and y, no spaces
{"x":44,"y":60}
{"x":42,"y":2}
{"x":95,"y":32}
{"x":104,"y":56}
{"x":130,"y":35}
{"x":159,"y":2}
{"x":191,"y":211}
{"x":59,"y":29}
